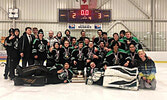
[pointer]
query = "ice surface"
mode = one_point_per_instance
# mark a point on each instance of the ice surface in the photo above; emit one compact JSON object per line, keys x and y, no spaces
{"x":80,"y":91}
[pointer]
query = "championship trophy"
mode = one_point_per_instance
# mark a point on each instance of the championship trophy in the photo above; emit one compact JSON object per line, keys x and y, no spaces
{"x":79,"y":76}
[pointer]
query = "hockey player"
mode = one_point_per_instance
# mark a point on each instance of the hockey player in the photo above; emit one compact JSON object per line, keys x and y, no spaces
{"x":66,"y":56}
{"x":99,"y":38}
{"x":15,"y":54}
{"x":74,"y":43}
{"x":83,"y":36}
{"x":130,"y":39}
{"x":106,"y":39}
{"x":92,"y":54}
{"x":40,"y":48}
{"x":102,"y":52}
{"x":120,"y":41}
{"x":35,"y":32}
{"x":132,"y":56}
{"x":60,"y":74}
{"x":68,"y":37}
{"x":55,"y":55}
{"x":78,"y":59}
{"x":58,"y":37}
{"x":147,"y":71}
{"x":8,"y":47}
{"x":116,"y":56}
{"x":86,"y":42}
{"x":122,"y":34}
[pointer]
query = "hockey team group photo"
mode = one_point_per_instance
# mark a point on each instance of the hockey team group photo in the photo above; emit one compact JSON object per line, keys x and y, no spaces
{"x":117,"y":61}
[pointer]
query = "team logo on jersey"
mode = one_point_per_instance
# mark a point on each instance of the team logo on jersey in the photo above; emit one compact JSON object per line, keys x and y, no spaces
{"x":16,"y":44}
{"x":41,"y":47}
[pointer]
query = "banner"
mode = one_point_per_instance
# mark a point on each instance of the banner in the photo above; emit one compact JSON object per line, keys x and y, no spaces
{"x":77,"y":4}
{"x":84,"y":4}
{"x":85,"y":26}
{"x":92,"y":4}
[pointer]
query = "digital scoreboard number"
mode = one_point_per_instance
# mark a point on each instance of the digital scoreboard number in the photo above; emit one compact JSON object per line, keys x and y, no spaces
{"x":86,"y":15}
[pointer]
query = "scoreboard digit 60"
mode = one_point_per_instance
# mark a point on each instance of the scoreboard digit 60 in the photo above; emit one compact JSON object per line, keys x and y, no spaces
{"x":84,"y":15}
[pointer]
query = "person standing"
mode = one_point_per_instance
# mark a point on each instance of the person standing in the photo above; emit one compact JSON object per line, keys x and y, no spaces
{"x":83,"y":36}
{"x":131,"y":39}
{"x":99,"y":38}
{"x":106,"y":39}
{"x":15,"y":55}
{"x":25,"y":47}
{"x":35,"y":32}
{"x":122,"y":34}
{"x":39,"y":49}
{"x":68,"y":37}
{"x":51,"y":39}
{"x":58,"y":37}
{"x":117,"y":39}
{"x":8,"y":47}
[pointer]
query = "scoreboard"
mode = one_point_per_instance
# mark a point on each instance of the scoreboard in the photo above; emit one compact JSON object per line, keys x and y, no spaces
{"x":84,"y":15}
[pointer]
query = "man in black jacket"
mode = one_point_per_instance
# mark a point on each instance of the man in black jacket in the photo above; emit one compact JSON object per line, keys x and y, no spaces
{"x":25,"y":47}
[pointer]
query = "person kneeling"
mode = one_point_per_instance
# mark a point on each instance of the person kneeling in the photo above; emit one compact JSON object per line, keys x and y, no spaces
{"x":147,"y":71}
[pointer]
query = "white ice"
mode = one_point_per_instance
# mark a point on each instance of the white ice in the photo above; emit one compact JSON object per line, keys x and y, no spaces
{"x":80,"y":91}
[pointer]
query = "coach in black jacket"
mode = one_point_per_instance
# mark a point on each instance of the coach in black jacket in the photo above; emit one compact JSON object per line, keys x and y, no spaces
{"x":25,"y":47}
